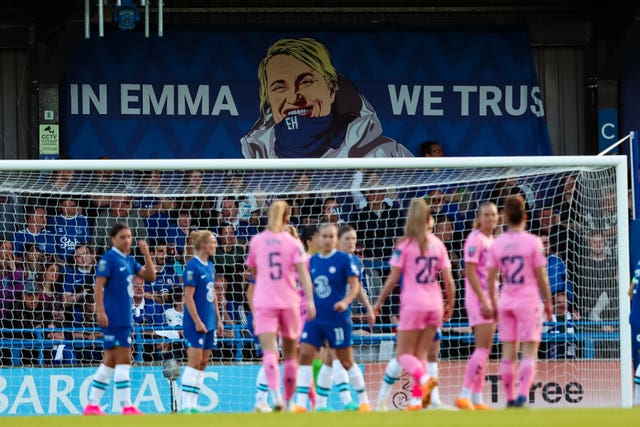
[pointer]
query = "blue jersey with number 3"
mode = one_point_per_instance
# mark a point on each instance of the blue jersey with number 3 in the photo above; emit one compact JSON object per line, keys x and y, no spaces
{"x":119,"y":270}
{"x":330,"y":275}
{"x":202,"y":277}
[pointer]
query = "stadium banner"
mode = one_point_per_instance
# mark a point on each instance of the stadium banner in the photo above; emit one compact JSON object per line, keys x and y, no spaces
{"x":228,"y":388}
{"x":320,"y":94}
{"x":63,"y":391}
{"x":574,"y":383}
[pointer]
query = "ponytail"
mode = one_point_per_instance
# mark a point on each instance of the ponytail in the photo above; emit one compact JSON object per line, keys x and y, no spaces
{"x":279,"y":213}
{"x":416,"y":225}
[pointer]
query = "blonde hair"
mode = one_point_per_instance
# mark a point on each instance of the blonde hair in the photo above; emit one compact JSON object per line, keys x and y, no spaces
{"x":292,"y":230}
{"x":279,"y":213}
{"x":416,"y":226}
{"x":306,"y":50}
{"x":199,"y":237}
{"x":476,"y":222}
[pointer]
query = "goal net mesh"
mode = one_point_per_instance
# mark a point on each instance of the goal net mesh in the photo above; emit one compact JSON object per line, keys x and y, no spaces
{"x":54,"y":226}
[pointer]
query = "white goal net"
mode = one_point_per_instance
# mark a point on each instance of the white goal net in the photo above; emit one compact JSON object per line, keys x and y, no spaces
{"x":55,"y":218}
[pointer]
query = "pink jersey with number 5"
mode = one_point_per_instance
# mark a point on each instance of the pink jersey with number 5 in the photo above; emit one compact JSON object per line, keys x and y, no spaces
{"x":274,"y":256}
{"x":517,"y":254}
{"x":421,"y":289}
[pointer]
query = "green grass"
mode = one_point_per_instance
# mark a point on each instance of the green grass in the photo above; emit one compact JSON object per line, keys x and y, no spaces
{"x":498,"y":418}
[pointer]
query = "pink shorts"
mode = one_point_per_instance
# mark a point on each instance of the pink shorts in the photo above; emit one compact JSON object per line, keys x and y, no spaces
{"x":411,"y":320}
{"x":474,"y":313}
{"x":522,"y":324}
{"x":285,"y":321}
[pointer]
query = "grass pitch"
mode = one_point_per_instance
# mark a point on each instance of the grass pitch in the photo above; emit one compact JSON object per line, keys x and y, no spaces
{"x":498,"y":418}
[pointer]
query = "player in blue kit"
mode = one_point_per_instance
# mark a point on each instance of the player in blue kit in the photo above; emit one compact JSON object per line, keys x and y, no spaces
{"x":114,"y":312}
{"x":201,"y":317}
{"x":634,"y":320}
{"x":336,"y":283}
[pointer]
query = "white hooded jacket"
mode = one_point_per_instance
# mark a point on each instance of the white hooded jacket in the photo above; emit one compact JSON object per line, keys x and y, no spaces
{"x":363,"y":137}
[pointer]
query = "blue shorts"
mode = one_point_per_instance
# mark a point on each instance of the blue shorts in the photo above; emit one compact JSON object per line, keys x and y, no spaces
{"x":117,"y":336}
{"x":199,"y":340}
{"x":337,"y":333}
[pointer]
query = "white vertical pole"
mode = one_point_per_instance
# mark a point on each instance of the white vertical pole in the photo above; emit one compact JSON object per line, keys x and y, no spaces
{"x":633,"y":181}
{"x":146,"y":18}
{"x":87,"y":19}
{"x":160,"y":23}
{"x":626,"y":366}
{"x":101,"y":18}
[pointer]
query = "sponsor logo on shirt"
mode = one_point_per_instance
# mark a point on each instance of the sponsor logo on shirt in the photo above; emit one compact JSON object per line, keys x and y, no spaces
{"x":321,"y":286}
{"x":67,"y":243}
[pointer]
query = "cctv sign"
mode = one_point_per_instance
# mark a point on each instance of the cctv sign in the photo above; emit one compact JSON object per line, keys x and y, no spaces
{"x":49,"y":136}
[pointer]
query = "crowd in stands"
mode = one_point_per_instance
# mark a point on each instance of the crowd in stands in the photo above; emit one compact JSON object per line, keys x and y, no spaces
{"x":50,"y":245}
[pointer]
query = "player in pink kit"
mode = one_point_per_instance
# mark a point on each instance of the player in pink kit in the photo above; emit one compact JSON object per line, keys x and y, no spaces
{"x":419,"y":257}
{"x":519,"y":257}
{"x":261,"y":404}
{"x":274,"y":257}
{"x":480,"y":309}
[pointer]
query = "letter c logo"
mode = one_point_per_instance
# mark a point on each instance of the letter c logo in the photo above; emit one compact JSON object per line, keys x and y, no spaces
{"x":608,"y":131}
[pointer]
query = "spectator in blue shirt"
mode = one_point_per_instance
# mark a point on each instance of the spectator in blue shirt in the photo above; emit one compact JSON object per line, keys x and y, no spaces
{"x":79,"y":274}
{"x":61,"y":352}
{"x":34,"y":232}
{"x":563,"y":345}
{"x":179,"y":231}
{"x":146,"y":313}
{"x":557,"y":271}
{"x":159,"y":223}
{"x":166,"y":277}
{"x":69,"y":228}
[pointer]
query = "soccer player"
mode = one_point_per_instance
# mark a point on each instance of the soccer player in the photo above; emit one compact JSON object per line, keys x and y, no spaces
{"x":393,"y":370}
{"x":113,"y":291}
{"x":634,"y":320}
{"x":274,"y":256}
{"x":331,"y":370}
{"x":261,"y":404}
{"x":201,"y":317}
{"x":336,"y":283}
{"x":419,"y":257}
{"x":519,"y":257}
{"x":480,"y":309}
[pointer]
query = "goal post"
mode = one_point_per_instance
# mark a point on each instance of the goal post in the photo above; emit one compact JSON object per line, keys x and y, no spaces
{"x":578,"y":202}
